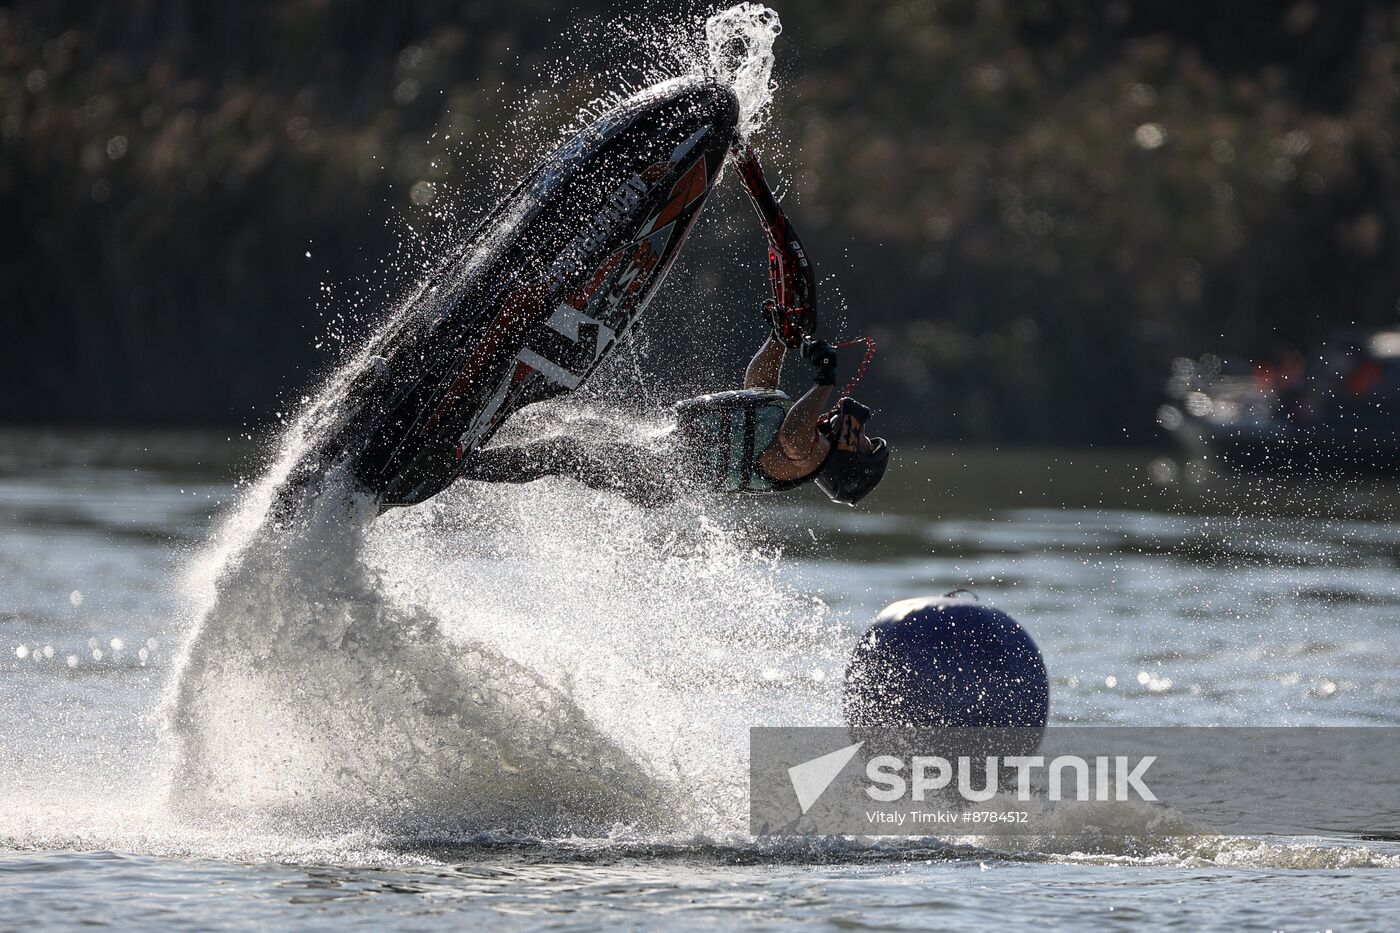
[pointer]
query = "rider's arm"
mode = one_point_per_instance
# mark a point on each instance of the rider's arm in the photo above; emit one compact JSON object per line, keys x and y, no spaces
{"x":798,"y":434}
{"x":766,"y":366}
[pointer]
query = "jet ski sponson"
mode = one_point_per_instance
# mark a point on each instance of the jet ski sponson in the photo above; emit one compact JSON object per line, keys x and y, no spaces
{"x":535,"y":297}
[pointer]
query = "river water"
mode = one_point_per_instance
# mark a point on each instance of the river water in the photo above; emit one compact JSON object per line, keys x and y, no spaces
{"x":666,"y":638}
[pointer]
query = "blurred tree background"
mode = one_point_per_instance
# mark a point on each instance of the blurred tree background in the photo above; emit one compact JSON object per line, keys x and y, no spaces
{"x":1033,"y":205}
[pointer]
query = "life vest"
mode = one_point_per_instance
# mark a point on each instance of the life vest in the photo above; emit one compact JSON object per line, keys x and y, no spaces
{"x":725,"y":433}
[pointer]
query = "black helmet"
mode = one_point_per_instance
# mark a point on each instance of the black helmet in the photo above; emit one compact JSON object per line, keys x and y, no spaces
{"x":848,"y":475}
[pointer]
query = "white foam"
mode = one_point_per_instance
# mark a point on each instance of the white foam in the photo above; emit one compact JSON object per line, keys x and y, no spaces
{"x":739,"y":42}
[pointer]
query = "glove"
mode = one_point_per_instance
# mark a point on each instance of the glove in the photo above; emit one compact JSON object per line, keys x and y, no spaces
{"x":822,"y":356}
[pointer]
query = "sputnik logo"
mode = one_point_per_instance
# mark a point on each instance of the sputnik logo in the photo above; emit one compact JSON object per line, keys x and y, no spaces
{"x":811,"y":778}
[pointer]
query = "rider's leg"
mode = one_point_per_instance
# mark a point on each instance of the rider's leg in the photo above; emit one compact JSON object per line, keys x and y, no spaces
{"x":635,"y":472}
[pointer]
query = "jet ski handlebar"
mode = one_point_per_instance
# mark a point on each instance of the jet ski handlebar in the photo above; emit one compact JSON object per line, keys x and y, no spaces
{"x":793,"y":308}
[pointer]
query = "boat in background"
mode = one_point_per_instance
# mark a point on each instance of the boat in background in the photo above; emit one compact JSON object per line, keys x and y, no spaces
{"x":1337,"y":413}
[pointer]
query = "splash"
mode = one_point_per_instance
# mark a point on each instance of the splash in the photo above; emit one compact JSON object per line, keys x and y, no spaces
{"x":537,"y":659}
{"x":541,"y":659}
{"x":739,"y":42}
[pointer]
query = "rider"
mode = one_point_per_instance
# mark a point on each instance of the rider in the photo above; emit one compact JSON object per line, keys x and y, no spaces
{"x":753,"y":439}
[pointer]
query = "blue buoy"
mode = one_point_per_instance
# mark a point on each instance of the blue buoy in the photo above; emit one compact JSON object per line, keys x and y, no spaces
{"x":947,"y":661}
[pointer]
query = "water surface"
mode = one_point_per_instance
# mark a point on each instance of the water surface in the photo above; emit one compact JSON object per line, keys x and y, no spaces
{"x":1240,"y":604}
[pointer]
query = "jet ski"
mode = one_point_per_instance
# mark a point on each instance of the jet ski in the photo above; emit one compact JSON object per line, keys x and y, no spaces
{"x":533,"y":300}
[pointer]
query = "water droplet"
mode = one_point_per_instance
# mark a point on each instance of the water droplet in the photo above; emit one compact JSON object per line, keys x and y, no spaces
{"x":422,"y":192}
{"x":1150,"y":136}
